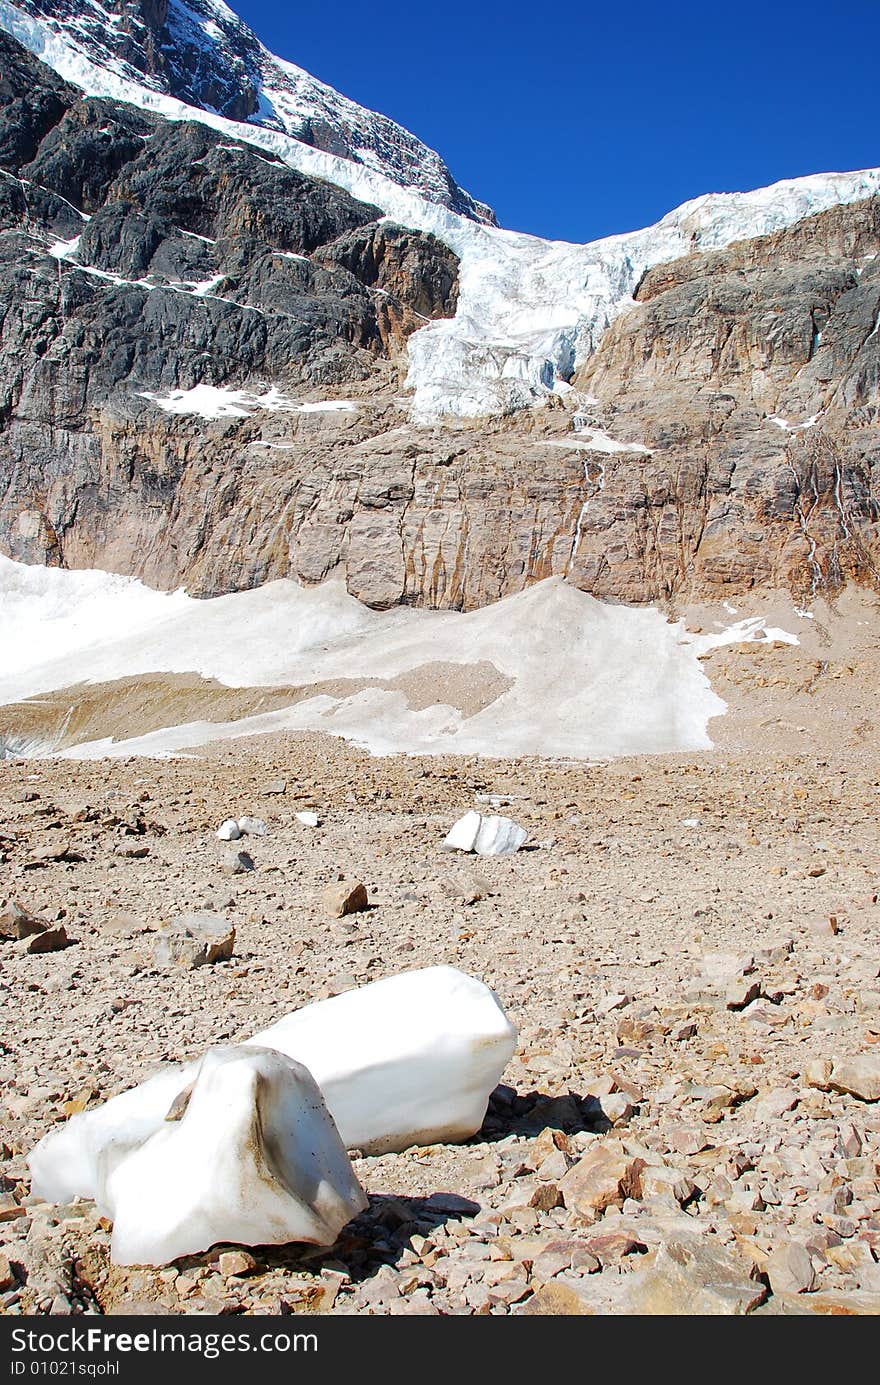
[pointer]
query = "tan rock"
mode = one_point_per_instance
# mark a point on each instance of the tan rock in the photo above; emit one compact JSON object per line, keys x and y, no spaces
{"x":236,"y":1262}
{"x":691,"y":1278}
{"x":664,"y":1181}
{"x":818,"y":1073}
{"x":555,"y":1300}
{"x":859,"y":1077}
{"x":790,"y":1269}
{"x":17,"y":923}
{"x":194,"y":940}
{"x":604,"y":1176}
{"x":346,"y":897}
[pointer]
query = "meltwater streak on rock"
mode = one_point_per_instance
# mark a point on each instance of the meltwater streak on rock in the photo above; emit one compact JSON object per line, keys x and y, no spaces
{"x":530,"y":311}
{"x":587,"y":679}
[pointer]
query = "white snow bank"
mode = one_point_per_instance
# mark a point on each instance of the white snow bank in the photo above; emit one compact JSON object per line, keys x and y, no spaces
{"x":411,"y":1059}
{"x":255,"y":1158}
{"x":594,"y":440}
{"x":213,"y":402}
{"x":788,"y":427}
{"x":588,"y":679}
{"x":529,"y":310}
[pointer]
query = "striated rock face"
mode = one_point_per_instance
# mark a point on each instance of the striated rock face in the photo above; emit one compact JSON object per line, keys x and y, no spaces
{"x":201,"y":353}
{"x":753,"y":375}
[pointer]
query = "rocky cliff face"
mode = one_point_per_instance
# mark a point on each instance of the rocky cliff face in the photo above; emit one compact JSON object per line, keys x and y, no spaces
{"x":201,"y":353}
{"x":753,"y":375}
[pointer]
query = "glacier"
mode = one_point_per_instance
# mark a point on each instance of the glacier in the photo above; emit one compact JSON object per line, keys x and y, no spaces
{"x":530,"y":311}
{"x":586,"y":679}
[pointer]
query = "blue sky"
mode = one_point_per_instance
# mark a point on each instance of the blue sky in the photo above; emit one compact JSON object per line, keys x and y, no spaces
{"x":579,"y":120}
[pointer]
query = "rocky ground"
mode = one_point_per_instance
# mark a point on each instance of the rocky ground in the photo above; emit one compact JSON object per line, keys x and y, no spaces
{"x":687,"y":944}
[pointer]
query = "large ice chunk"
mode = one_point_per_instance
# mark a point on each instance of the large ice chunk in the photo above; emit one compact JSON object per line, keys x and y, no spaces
{"x":64,"y":1164}
{"x":408,"y":1060}
{"x":487,"y":836}
{"x":252,"y":1156}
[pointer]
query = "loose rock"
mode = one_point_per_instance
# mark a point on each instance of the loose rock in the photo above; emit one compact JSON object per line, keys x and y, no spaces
{"x":194,"y":940}
{"x":348,"y":897}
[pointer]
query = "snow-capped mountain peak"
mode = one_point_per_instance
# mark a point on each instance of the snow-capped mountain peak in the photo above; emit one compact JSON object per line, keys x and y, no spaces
{"x":200,"y":52}
{"x":529,"y":311}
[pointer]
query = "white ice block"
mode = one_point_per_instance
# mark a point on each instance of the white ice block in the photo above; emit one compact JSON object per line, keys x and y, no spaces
{"x":487,"y":836}
{"x":407,"y":1060}
{"x":254,"y":1158}
{"x":64,"y":1164}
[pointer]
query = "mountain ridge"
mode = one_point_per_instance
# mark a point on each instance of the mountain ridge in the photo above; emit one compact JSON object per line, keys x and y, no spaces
{"x":221,"y":369}
{"x":200,"y":52}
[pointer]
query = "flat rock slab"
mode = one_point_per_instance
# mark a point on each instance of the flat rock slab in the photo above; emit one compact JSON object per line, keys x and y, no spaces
{"x":693,"y":1278}
{"x":194,"y":940}
{"x":859,"y":1077}
{"x":555,"y":1300}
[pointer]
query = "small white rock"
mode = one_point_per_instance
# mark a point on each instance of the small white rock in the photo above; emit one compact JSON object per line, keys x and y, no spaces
{"x":308,"y":818}
{"x":486,"y":836}
{"x":251,"y":827}
{"x":229,"y":831}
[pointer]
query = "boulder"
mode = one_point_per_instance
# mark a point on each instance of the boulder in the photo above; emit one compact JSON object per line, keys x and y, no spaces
{"x":194,"y":940}
{"x":790,"y":1269}
{"x":347,"y":897}
{"x":229,"y":831}
{"x":858,"y":1077}
{"x":48,"y":940}
{"x":239,"y":863}
{"x":605,"y":1176}
{"x":16,"y":923}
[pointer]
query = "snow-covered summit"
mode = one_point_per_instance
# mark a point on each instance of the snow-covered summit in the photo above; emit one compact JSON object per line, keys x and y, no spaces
{"x":202,"y":53}
{"x":530,"y":311}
